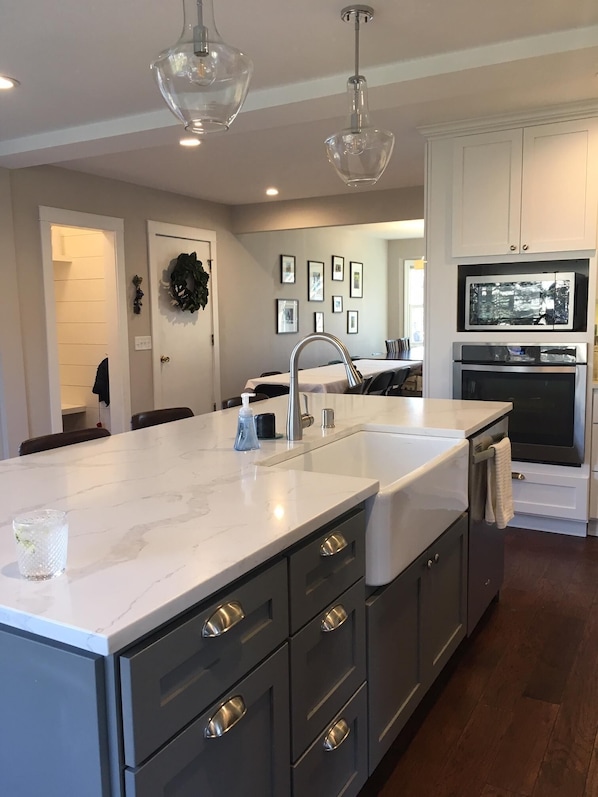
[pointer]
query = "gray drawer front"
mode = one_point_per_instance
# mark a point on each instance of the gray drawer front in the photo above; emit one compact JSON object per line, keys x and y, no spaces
{"x":316,"y":580}
{"x":326,"y":667}
{"x":168,"y":680}
{"x":257,"y":746}
{"x":342,"y":771}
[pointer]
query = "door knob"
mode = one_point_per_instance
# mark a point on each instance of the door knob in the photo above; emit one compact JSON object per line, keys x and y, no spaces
{"x":164,"y":359}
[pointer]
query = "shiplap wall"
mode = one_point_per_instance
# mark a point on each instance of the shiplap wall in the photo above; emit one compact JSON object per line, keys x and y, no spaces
{"x":81,"y":323}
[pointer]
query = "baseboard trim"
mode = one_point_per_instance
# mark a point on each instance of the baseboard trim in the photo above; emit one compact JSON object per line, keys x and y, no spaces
{"x":573,"y":528}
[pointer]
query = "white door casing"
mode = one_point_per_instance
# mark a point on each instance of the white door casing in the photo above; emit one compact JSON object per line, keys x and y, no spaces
{"x":185,"y":351}
{"x":116,"y":293}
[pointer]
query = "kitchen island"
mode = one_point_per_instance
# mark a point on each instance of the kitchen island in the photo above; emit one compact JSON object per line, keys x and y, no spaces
{"x":161,"y":520}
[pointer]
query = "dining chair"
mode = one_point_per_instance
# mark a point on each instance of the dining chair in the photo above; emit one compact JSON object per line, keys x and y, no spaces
{"x":397,"y":378}
{"x":236,"y":401}
{"x":360,"y":389}
{"x":379,"y":384}
{"x":270,"y":373}
{"x":271,"y":390}
{"x":46,"y":442}
{"x":154,"y":417}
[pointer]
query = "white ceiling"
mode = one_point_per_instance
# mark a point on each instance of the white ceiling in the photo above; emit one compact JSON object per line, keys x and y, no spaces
{"x":87,"y":99}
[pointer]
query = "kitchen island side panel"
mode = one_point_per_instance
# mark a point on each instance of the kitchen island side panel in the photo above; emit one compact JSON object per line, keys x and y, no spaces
{"x":52,"y":700}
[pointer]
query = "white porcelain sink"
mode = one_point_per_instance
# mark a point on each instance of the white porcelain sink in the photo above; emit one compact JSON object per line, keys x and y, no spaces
{"x":423,"y":489}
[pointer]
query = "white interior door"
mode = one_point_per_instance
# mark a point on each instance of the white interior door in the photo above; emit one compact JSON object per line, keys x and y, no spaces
{"x":185,"y":353}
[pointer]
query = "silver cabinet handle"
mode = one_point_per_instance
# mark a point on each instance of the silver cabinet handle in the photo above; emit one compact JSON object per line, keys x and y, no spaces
{"x":512,"y":247}
{"x":429,"y":564}
{"x":436,"y":557}
{"x":225,"y":718}
{"x":525,"y":247}
{"x":519,"y":476}
{"x":333,"y":544}
{"x":224,"y":618}
{"x":336,"y":735}
{"x":164,"y":359}
{"x":334,"y":618}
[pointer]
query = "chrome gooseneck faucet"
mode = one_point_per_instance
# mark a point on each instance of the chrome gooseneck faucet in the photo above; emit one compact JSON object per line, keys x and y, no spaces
{"x":296,"y":422}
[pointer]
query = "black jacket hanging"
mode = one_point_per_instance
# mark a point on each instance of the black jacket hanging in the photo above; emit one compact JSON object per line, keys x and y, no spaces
{"x":102,"y":384}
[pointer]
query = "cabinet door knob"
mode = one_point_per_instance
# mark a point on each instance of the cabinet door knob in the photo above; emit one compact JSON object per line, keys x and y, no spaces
{"x":436,"y":557}
{"x":223,"y":619}
{"x":334,"y":618}
{"x":164,"y":358}
{"x":336,"y":735}
{"x":225,"y":718}
{"x":429,"y":564}
{"x":512,"y":247}
{"x":333,"y":544}
{"x":525,"y":247}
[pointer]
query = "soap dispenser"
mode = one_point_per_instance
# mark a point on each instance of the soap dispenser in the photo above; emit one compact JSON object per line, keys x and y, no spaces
{"x":246,"y":439}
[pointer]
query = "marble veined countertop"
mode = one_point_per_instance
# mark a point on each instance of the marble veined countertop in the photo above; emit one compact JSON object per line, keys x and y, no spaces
{"x":161,"y":518}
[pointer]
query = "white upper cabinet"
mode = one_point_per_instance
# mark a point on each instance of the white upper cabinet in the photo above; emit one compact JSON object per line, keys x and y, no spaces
{"x":526,"y":190}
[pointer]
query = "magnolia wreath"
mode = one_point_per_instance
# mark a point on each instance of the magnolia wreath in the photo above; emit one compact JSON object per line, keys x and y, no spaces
{"x":189,"y":283}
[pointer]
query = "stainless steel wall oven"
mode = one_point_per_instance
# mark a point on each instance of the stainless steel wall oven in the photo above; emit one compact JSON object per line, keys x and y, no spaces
{"x":547,"y":385}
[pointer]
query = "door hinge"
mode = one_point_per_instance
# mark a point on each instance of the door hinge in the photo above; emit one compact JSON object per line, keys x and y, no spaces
{"x":212,"y":336}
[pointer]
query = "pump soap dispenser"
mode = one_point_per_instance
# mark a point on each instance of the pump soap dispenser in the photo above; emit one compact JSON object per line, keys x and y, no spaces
{"x":246,"y":439}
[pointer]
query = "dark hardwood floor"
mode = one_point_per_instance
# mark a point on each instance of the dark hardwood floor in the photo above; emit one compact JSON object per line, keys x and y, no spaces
{"x":516,"y":711}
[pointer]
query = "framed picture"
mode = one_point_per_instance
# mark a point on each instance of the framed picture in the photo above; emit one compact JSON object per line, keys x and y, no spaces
{"x":287,"y":268}
{"x":352,"y":322}
{"x":356,"y":286}
{"x":337,"y":304}
{"x":315,"y":281}
{"x":338,"y":268}
{"x":287,"y":316}
{"x":318,"y":322}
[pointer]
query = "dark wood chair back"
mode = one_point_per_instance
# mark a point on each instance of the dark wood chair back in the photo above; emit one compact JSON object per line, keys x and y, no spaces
{"x":397,"y":379}
{"x":379,"y":384}
{"x":155,"y":417}
{"x":270,"y":373}
{"x":272,"y":390}
{"x":236,"y":401}
{"x":48,"y":441}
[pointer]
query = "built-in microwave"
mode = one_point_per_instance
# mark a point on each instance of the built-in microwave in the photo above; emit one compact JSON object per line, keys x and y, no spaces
{"x":541,"y":301}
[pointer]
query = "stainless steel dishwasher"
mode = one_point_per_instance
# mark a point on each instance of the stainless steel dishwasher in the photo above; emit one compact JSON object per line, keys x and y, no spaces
{"x":486,"y":540}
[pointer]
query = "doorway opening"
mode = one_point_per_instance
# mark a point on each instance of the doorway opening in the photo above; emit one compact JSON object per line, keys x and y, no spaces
{"x":85,"y":319}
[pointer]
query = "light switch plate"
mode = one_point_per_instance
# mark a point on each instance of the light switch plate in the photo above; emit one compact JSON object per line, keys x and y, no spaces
{"x":143,"y":342}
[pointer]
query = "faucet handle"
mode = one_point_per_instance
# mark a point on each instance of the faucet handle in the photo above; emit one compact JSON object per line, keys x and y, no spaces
{"x":306,"y":418}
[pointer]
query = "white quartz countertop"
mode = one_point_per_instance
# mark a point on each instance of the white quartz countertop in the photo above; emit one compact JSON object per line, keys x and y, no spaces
{"x":161,"y":518}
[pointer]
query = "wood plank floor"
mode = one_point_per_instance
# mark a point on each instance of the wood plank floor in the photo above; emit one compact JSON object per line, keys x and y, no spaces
{"x":516,"y":711}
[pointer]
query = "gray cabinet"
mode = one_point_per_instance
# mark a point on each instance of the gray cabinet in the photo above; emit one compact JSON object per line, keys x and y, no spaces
{"x":414,"y":625}
{"x":328,"y":672}
{"x":238,"y":747}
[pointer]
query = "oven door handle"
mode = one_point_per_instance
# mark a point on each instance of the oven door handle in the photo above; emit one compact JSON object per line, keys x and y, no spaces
{"x":520,"y":369}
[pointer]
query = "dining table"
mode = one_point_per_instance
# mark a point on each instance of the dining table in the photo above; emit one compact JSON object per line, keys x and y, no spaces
{"x":327,"y":378}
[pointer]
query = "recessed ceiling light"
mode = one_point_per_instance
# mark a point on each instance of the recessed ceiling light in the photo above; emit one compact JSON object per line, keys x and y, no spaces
{"x":190,"y":142}
{"x":8,"y":82}
{"x":272,"y":191}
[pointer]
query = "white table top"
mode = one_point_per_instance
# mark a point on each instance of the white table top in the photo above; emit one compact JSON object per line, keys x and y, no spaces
{"x":161,"y":518}
{"x":328,"y":378}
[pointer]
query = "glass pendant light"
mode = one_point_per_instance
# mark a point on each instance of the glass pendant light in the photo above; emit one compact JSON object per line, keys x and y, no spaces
{"x":203,"y":80}
{"x":360,"y":152}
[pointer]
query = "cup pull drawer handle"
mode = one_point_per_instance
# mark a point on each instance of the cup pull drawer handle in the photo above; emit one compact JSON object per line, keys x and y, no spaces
{"x":336,"y":735}
{"x":334,"y":618}
{"x":518,"y":476}
{"x":223,"y":619}
{"x":333,"y":545}
{"x":225,"y":718}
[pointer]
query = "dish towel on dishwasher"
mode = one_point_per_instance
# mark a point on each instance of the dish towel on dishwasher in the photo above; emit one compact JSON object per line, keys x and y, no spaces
{"x":499,"y":492}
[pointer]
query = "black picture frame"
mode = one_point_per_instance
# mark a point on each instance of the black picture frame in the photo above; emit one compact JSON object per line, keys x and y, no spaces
{"x":318,"y":322}
{"x":287,"y":269}
{"x":337,"y":304}
{"x":338,"y":268}
{"x":352,"y":322}
{"x":315,"y":281}
{"x":287,"y":316}
{"x":356,"y":276}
